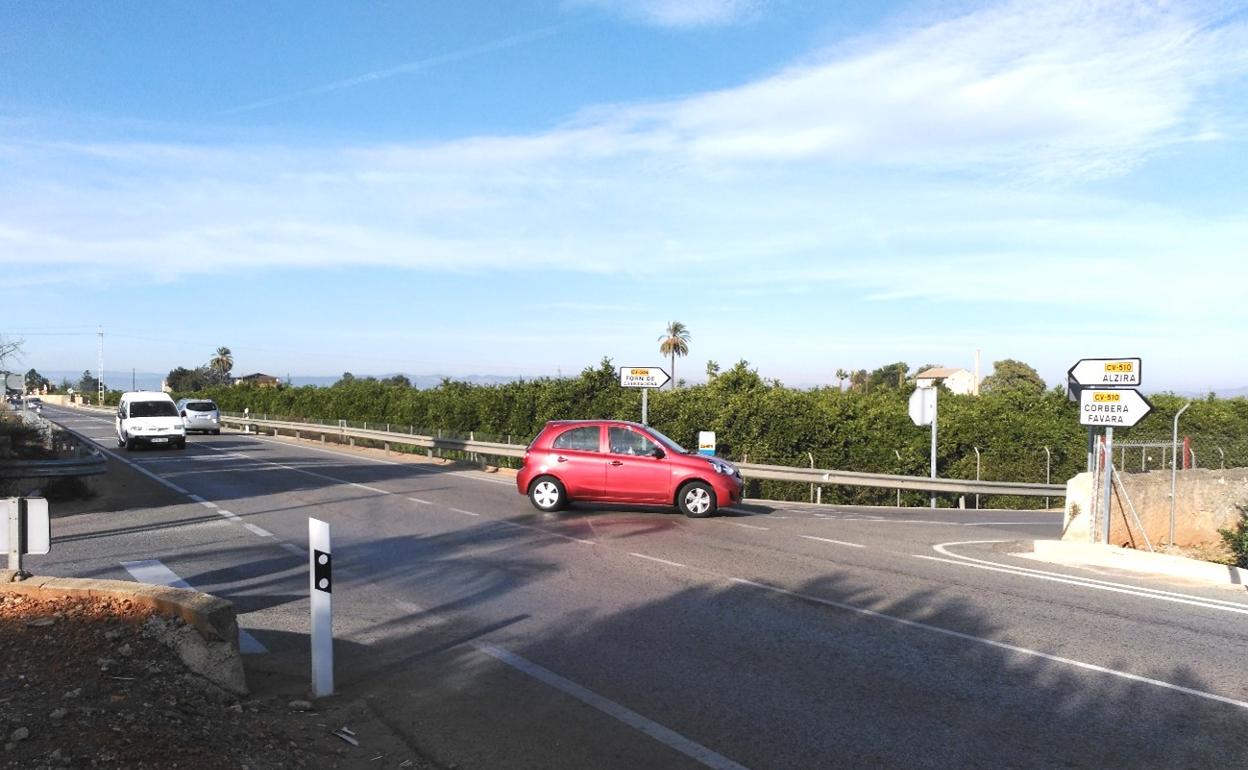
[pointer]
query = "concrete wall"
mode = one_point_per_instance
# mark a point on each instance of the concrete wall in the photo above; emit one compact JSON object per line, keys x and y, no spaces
{"x":1205,"y":501}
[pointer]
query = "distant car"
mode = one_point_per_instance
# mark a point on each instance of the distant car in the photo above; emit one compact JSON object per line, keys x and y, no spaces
{"x":200,"y":414}
{"x":146,"y":417}
{"x":612,"y":461}
{"x":35,"y":404}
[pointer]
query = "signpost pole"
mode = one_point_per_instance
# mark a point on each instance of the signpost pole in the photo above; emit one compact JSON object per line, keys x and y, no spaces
{"x":645,"y":403}
{"x":934,"y":411}
{"x":1091,"y":448}
{"x":14,"y":524}
{"x":1109,"y":484}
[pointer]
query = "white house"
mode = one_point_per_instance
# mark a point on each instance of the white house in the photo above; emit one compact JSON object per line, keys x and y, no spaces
{"x":958,"y":381}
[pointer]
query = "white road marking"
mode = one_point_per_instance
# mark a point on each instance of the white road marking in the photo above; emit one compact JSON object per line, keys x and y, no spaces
{"x":227,"y":514}
{"x":418,"y":500}
{"x":296,"y":550}
{"x":153,"y":571}
{"x":1077,"y":580}
{"x":747,"y":526}
{"x":993,"y":643}
{"x":660,"y":561}
{"x":256,"y":530}
{"x":662,"y":734}
{"x":1008,"y":523}
{"x":834,"y":542}
{"x":461,"y":510}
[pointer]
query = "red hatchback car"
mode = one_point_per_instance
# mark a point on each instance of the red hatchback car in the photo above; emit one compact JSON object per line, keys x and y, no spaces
{"x":612,"y":461}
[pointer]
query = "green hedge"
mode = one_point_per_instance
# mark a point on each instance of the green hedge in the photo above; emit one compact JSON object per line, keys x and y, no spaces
{"x":766,"y":422}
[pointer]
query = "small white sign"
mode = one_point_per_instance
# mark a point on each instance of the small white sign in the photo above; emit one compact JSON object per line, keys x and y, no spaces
{"x":706,"y":442}
{"x":1112,"y":408}
{"x":923,"y":406}
{"x":1105,"y":372}
{"x":643,"y":377}
{"x":38,"y":524}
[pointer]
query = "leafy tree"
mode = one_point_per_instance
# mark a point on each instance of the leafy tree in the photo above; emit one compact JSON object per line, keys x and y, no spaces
{"x":891,"y":376}
{"x":675,"y":342}
{"x":88,"y":383}
{"x":346,"y":379}
{"x":859,"y":381}
{"x":398,"y":381}
{"x":35,"y":380}
{"x":1009,"y":374}
{"x":222,"y":362}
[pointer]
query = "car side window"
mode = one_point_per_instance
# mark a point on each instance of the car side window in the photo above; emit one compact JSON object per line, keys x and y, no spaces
{"x":624,"y":441}
{"x":578,"y":439}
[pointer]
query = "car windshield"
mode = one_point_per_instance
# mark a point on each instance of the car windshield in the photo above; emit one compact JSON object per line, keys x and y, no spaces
{"x":667,"y":442}
{"x":153,"y":409}
{"x":201,"y":406}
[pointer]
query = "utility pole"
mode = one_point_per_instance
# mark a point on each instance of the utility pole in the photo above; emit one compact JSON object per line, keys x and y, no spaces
{"x":100,"y":371}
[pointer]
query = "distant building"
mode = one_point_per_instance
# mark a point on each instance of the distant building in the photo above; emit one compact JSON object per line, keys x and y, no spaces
{"x":259,"y":380}
{"x":956,"y":380}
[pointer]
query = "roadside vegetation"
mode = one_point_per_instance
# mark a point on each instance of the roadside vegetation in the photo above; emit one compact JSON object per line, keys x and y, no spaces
{"x":863,"y":428}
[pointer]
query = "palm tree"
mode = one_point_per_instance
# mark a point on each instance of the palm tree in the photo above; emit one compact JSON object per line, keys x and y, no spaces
{"x":224,"y":360}
{"x":675,"y":343}
{"x":712,"y":370}
{"x":841,"y":376}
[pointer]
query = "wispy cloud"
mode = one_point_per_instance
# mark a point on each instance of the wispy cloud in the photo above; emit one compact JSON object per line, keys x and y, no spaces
{"x":681,"y":13}
{"x":402,"y":69}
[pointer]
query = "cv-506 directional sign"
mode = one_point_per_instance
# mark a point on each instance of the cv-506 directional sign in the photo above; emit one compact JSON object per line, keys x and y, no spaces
{"x":1105,"y":373}
{"x":643,"y":377}
{"x":1112,"y":407}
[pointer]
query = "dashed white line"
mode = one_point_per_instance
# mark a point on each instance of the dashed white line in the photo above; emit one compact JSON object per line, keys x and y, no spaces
{"x":461,"y":510}
{"x":418,"y":500}
{"x":660,"y":561}
{"x":155,"y":572}
{"x":256,"y":530}
{"x":834,"y":542}
{"x":747,"y":526}
{"x":227,"y":514}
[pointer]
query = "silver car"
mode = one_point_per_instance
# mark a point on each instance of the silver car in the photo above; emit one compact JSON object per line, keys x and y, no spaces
{"x":200,"y":414}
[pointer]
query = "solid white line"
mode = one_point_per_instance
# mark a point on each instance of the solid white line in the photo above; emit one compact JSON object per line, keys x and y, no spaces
{"x":296,"y":550}
{"x":256,"y":530}
{"x":660,"y":561}
{"x":365,"y":459}
{"x":993,"y":643}
{"x":178,"y":489}
{"x":154,"y":572}
{"x":834,"y":542}
{"x":1008,"y":523}
{"x":1086,"y":582}
{"x":662,"y":734}
{"x":461,"y":510}
{"x":747,"y":526}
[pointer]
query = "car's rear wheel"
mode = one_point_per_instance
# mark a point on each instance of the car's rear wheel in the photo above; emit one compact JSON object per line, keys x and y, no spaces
{"x":547,"y":494}
{"x":696,"y":500}
{"x":217,"y":432}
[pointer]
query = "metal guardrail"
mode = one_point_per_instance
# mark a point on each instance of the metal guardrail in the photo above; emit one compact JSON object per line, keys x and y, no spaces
{"x":85,"y":460}
{"x":748,"y":470}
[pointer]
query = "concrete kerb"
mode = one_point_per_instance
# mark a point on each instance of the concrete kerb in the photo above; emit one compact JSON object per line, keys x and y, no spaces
{"x":1111,"y":556}
{"x":210,"y":649}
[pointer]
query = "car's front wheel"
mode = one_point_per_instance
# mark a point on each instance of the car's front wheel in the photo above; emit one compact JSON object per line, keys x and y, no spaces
{"x":547,"y":494}
{"x":696,"y":500}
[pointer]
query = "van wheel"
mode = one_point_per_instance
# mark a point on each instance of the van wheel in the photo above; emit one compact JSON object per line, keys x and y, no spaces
{"x":696,"y":500}
{"x":217,"y":432}
{"x":547,"y":494}
{"x":129,"y":444}
{"x":182,"y":444}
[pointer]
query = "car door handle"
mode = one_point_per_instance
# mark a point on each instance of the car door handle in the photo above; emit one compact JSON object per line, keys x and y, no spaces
{"x":616,"y":462}
{"x":561,"y":459}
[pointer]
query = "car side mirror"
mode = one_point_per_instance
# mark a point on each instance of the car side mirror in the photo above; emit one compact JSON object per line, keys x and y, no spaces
{"x":658,"y":453}
{"x":183,"y":412}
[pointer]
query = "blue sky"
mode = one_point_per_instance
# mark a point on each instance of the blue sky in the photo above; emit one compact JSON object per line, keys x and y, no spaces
{"x":524,"y":188}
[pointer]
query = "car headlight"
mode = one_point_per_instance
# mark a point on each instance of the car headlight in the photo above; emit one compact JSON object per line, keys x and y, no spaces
{"x":723,"y":468}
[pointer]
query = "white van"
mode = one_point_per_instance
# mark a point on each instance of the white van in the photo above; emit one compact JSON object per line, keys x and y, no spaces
{"x":146,"y":417}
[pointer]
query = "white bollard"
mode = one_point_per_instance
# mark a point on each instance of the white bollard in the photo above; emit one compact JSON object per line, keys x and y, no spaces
{"x":320,"y":581}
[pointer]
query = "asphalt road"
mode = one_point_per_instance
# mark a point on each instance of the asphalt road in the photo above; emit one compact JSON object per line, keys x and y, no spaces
{"x":773,"y":636}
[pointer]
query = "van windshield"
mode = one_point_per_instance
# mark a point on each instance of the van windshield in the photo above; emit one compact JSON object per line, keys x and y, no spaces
{"x":201,"y":406}
{"x":153,"y":409}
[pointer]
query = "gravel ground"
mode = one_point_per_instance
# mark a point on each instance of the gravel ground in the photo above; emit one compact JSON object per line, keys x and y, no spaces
{"x":88,"y":683}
